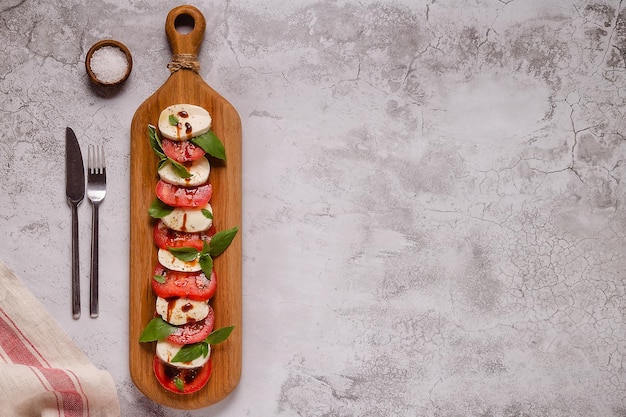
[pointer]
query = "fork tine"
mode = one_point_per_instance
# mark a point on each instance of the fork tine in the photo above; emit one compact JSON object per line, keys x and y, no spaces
{"x":102,"y":161}
{"x":92,"y":159}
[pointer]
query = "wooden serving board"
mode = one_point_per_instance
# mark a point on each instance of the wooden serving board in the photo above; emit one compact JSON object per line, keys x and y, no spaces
{"x":186,"y":86}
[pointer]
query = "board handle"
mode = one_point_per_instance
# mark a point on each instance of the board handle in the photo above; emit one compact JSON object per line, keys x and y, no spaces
{"x":185,"y":43}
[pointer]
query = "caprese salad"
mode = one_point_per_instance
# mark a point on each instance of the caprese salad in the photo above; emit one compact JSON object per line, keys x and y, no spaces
{"x":184,"y":280}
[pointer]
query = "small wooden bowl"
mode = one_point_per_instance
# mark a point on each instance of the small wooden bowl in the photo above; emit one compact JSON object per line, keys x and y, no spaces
{"x":108,"y":42}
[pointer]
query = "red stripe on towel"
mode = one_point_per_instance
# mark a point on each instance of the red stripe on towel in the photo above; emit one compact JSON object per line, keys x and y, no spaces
{"x":21,"y":350}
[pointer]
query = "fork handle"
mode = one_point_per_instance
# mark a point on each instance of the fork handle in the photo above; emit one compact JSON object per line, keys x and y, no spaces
{"x":93,"y":291}
{"x":75,"y":264}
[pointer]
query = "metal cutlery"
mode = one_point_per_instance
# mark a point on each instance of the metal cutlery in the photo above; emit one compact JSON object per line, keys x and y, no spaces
{"x":75,"y":192}
{"x":96,"y":190}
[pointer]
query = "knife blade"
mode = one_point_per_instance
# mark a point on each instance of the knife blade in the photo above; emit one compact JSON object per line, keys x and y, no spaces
{"x":75,"y":192}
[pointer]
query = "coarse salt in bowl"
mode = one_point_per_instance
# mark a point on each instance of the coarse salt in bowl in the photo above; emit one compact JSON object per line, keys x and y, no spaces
{"x":108,"y":63}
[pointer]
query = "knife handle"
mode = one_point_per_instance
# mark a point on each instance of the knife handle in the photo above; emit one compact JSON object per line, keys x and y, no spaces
{"x":75,"y":264}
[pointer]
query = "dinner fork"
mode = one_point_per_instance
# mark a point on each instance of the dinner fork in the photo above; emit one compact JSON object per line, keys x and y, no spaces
{"x":96,"y":190}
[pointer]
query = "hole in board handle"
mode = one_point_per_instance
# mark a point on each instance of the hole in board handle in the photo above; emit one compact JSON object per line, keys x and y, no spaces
{"x":184,"y":24}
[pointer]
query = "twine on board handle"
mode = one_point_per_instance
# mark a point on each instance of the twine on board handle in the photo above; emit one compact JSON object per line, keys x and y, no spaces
{"x":184,"y":61}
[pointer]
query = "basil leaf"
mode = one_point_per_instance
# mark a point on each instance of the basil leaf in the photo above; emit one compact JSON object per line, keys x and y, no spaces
{"x":219,"y":335}
{"x":205,"y":248}
{"x":159,"y":209}
{"x":207,"y":214}
{"x":186,"y":254}
{"x":221,"y":240}
{"x":210,"y":144}
{"x":189,"y":352}
{"x":157,"y":329}
{"x":157,"y":147}
{"x":173,"y":120}
{"x":161,"y":164}
{"x":180,"y":169}
{"x":205,"y":350}
{"x":159,"y":278}
{"x":206,"y":263}
{"x":155,"y":142}
{"x":180,"y":385}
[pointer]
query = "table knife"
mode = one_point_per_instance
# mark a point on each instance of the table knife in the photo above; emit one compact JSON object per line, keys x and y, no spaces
{"x":75,"y":192}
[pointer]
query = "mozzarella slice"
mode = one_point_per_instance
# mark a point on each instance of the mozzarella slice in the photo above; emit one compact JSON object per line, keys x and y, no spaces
{"x":199,"y":170}
{"x":178,"y":311}
{"x":189,"y":219}
{"x":192,"y":121}
{"x":169,"y":261}
{"x":167,"y":350}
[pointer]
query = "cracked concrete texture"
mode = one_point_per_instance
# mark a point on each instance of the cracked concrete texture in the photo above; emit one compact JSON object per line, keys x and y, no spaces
{"x":433,"y":209}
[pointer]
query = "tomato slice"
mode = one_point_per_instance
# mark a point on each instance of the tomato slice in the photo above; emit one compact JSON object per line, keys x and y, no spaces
{"x":181,"y":151}
{"x":192,"y":379}
{"x":193,"y":332}
{"x":176,"y":196}
{"x":166,"y":238}
{"x":193,"y":285}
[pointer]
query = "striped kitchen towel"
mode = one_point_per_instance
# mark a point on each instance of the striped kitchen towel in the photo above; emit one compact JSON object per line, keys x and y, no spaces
{"x":42,"y":372}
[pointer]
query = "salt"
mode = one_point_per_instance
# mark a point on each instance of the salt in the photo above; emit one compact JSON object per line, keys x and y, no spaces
{"x":109,"y":64}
